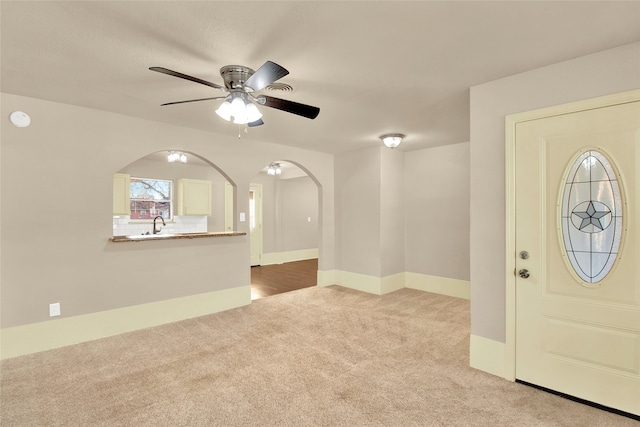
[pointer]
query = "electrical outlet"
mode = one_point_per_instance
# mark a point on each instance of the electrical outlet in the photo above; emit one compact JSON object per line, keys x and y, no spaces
{"x":54,"y":309}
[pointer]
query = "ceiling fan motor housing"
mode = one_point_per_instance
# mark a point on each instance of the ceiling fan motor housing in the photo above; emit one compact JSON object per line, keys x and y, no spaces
{"x":234,"y":76}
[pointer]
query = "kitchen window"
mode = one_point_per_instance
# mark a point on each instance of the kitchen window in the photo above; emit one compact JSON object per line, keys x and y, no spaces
{"x":151,"y":197}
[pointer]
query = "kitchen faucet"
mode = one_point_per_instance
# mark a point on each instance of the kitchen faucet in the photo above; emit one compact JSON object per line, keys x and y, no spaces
{"x":155,"y":230}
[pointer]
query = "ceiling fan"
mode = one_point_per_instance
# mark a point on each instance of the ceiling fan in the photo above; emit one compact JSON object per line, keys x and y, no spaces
{"x":241,"y":83}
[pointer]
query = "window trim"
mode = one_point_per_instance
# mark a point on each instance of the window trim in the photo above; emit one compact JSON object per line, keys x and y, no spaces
{"x":171,"y":217}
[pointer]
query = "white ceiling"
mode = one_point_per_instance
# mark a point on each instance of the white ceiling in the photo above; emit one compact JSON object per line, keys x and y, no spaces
{"x":371,"y":67}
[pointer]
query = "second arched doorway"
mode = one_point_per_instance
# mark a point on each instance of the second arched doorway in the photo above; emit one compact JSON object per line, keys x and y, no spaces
{"x":284,"y":229}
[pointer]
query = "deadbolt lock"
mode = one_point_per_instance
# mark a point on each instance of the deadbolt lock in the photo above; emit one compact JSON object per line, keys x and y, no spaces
{"x":524,"y":255}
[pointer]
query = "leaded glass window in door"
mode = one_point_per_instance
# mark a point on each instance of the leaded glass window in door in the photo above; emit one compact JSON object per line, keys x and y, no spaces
{"x":591,"y":216}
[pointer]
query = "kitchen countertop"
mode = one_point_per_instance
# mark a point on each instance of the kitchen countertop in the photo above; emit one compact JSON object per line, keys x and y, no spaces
{"x":173,"y":236}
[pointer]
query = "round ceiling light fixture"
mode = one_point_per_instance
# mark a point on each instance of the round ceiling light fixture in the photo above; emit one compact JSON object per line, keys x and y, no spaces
{"x":392,"y":140}
{"x":20,"y":119}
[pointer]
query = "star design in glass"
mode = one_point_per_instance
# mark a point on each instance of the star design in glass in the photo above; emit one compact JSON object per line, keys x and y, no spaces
{"x":591,"y":216}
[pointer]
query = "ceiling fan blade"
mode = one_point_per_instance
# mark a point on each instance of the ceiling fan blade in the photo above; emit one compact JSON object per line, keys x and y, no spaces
{"x":268,"y":73}
{"x":192,"y":100}
{"x":289,"y":106}
{"x":186,"y":77}
{"x":256,"y":123}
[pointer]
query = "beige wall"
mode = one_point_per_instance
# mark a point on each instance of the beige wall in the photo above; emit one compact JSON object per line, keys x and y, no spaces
{"x":403,"y":212}
{"x":298,"y":202}
{"x":357,"y":184}
{"x":392,"y":211}
{"x":603,"y":73}
{"x":437,"y":209}
{"x":56,"y":191}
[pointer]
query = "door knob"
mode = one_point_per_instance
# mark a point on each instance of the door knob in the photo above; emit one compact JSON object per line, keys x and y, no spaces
{"x":524,"y":273}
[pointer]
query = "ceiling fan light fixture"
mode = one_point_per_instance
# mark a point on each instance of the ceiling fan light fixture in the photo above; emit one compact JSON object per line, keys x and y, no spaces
{"x":224,"y":110}
{"x":241,"y":109}
{"x":253,"y":114}
{"x":392,"y":140}
{"x":238,"y":108}
{"x":240,"y":120}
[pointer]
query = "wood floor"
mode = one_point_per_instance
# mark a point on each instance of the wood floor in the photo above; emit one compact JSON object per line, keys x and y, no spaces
{"x":279,"y":278}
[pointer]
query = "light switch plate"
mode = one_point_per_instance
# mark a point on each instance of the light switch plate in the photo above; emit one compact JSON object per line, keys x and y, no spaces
{"x":54,"y":309}
{"x":242,"y":217}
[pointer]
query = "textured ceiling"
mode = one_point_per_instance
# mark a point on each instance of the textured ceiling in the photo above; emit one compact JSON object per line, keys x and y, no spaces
{"x":371,"y":67}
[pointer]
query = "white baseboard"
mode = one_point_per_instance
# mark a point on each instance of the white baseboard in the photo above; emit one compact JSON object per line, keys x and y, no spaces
{"x":360,"y":282}
{"x":327,"y":277}
{"x":487,"y":355}
{"x":290,"y":256}
{"x":392,"y":283}
{"x":439,"y":285}
{"x":383,"y":285}
{"x":370,"y":284}
{"x":61,"y":332}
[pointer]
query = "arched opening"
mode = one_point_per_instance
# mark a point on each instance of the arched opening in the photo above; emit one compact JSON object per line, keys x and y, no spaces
{"x":285,"y":206}
{"x":189,"y":193}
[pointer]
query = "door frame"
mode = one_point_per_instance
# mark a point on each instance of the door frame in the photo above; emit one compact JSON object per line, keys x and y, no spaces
{"x":510,"y":207}
{"x":229,"y":203}
{"x":257,"y":234}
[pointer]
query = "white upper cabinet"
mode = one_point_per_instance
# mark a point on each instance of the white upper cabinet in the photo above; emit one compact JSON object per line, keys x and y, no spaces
{"x":194,"y":197}
{"x":121,"y":193}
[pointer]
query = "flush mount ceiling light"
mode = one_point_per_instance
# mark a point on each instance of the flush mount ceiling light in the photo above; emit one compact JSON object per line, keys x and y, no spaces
{"x":177,"y":156}
{"x":274,"y":169}
{"x":392,"y":140}
{"x":20,"y":119}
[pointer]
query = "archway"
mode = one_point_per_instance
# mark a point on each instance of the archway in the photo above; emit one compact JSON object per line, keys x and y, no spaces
{"x":285,"y":206}
{"x":153,"y":182}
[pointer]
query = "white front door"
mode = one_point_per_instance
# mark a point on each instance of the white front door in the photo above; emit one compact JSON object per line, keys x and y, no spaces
{"x":577,"y":305}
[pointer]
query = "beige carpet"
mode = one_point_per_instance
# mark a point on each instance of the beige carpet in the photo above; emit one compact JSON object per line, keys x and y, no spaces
{"x":313,"y":357}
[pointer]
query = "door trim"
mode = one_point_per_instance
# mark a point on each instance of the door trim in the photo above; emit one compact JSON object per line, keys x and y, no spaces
{"x":510,"y":179}
{"x":229,"y":203}
{"x":257,"y":234}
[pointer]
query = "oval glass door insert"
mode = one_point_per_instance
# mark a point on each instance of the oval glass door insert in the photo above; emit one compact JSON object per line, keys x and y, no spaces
{"x":591,"y":216}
